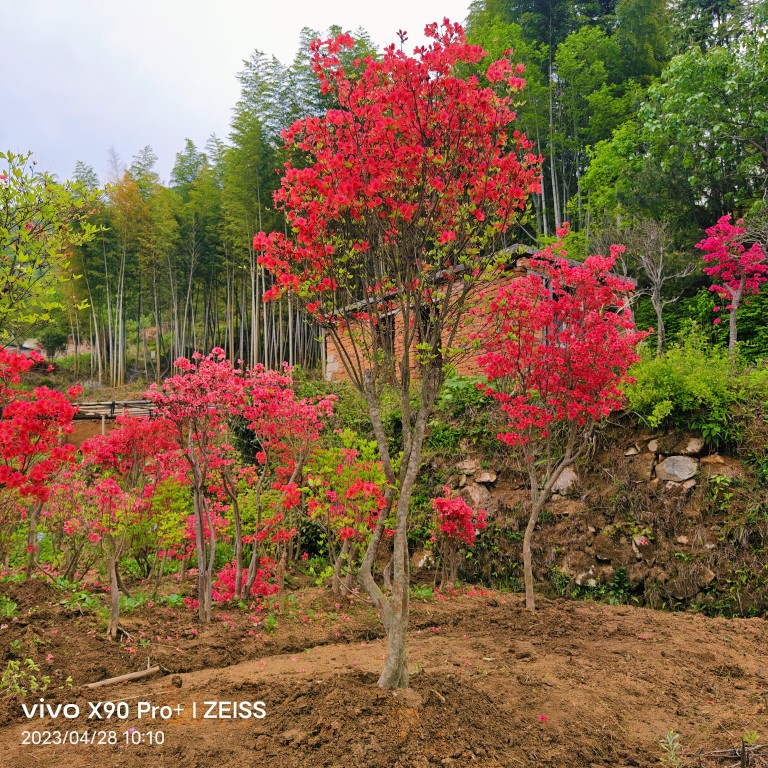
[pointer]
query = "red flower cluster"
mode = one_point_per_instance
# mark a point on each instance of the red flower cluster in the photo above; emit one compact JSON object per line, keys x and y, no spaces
{"x":224,"y":586}
{"x":416,"y":145}
{"x":735,"y":267}
{"x":31,"y":427}
{"x":561,"y":345}
{"x":456,"y":519}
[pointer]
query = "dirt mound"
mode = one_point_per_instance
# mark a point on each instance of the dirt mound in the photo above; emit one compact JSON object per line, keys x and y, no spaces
{"x":575,"y":684}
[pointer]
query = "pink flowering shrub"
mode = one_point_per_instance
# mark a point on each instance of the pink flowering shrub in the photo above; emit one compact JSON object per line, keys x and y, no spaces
{"x":735,"y":271}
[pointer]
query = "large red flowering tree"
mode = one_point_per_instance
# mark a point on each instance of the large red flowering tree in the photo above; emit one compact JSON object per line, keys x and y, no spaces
{"x":736,"y":272}
{"x":401,"y":197}
{"x":556,"y":356}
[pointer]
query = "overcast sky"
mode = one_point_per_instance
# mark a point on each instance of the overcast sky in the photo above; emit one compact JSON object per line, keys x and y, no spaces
{"x":79,"y":76}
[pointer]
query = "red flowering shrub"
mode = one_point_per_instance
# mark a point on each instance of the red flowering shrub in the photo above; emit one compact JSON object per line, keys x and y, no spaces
{"x":412,"y":179}
{"x":263,"y":585}
{"x":32,"y":452}
{"x":456,"y":523}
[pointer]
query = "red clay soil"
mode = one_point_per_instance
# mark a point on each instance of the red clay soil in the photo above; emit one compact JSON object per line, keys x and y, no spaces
{"x":574,"y":685}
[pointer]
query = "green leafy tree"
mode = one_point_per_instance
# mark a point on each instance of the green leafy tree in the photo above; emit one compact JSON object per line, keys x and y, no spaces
{"x":709,"y":116}
{"x":41,"y":221}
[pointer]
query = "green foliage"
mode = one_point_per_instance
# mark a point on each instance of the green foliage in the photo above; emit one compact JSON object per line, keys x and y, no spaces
{"x":130,"y":604}
{"x":82,"y":601}
{"x":53,"y":339}
{"x":320,"y":571}
{"x":173,"y":600}
{"x":619,"y":590}
{"x":40,"y":221}
{"x":691,"y":386}
{"x":560,"y":580}
{"x":495,"y":559}
{"x":270,"y":624}
{"x":463,"y":414}
{"x":349,"y":411}
{"x":8,"y":609}
{"x":422,"y":592}
{"x":22,"y":678}
{"x":721,"y":492}
{"x":616,"y":592}
{"x":670,"y":746}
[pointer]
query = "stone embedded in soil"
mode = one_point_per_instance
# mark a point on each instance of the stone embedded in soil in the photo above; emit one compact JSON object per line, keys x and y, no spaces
{"x":714,"y":458}
{"x":586,"y":579}
{"x":693,"y":446}
{"x":726,"y":467}
{"x":653,"y":446}
{"x":706,"y":578}
{"x":566,"y":482}
{"x":643,"y":548}
{"x":422,"y":558}
{"x":294,"y":736}
{"x":690,"y":582}
{"x":678,"y":469}
{"x":485,"y":477}
{"x":409,"y":697}
{"x":637,"y":573}
{"x":631,"y":451}
{"x":469,"y":466}
{"x":477,"y":496}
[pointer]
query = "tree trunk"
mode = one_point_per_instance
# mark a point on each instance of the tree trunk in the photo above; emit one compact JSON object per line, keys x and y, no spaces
{"x":114,"y":595}
{"x":660,"y":333}
{"x":160,"y":572}
{"x":735,"y":301}
{"x":395,"y":672}
{"x":230,"y":485}
{"x":202,"y":572}
{"x":337,"y":568}
{"x":348,"y":578}
{"x":33,"y":545}
{"x":539,"y":498}
{"x":530,"y":602}
{"x":281,"y":583}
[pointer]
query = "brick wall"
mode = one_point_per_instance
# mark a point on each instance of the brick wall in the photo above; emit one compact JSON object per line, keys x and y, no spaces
{"x":465,"y":364}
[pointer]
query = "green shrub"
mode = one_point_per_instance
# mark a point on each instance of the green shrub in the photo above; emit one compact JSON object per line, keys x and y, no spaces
{"x":692,"y":386}
{"x":463,"y":412}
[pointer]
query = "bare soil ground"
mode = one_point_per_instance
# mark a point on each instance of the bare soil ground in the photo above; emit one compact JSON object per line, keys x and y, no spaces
{"x":575,"y":684}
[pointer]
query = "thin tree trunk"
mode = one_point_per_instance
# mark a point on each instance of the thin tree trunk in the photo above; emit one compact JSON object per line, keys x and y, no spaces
{"x":660,"y":333}
{"x":338,"y":567}
{"x":539,"y":498}
{"x":33,"y":545}
{"x":735,"y":302}
{"x":281,"y":582}
{"x":114,"y":595}
{"x":160,"y":573}
{"x":254,"y":313}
